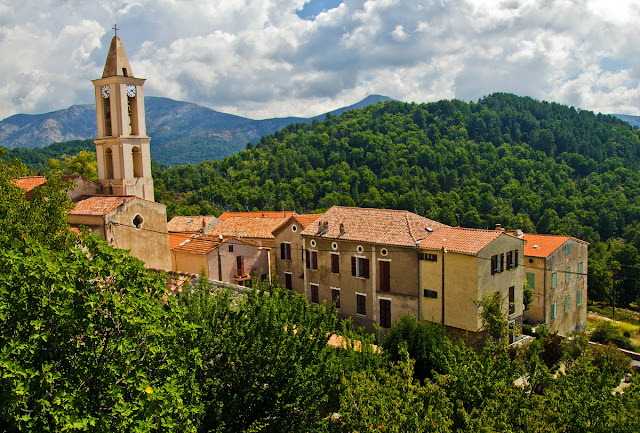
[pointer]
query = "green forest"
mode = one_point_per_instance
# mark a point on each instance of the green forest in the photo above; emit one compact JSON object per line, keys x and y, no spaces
{"x":90,"y":341}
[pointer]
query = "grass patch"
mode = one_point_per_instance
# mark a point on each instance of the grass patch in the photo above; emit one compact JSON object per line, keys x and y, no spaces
{"x":632,"y":330}
{"x":622,"y":314}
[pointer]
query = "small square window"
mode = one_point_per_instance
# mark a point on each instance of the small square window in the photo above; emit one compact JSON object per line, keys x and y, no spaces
{"x":230,"y":248}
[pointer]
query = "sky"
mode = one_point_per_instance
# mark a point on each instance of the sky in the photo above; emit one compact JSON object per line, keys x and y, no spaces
{"x":278,"y":58}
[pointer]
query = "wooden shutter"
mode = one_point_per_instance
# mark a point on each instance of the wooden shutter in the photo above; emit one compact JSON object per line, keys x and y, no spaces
{"x":501,"y":263}
{"x":494,"y":264}
{"x":353,"y":266}
{"x":512,"y":300}
{"x":307,"y":258}
{"x":515,"y":259}
{"x":509,"y":260}
{"x":335,"y":263}
{"x":314,"y":257}
{"x":240,"y":265}
{"x":385,"y":313}
{"x":385,"y":276}
{"x":287,"y":282}
{"x":283,"y":249}
{"x":365,"y":262}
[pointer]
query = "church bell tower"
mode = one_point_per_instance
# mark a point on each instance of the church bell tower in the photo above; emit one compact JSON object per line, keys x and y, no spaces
{"x":122,"y":146}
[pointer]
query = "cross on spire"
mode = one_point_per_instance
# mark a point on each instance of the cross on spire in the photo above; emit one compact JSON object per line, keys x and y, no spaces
{"x":115,"y":27}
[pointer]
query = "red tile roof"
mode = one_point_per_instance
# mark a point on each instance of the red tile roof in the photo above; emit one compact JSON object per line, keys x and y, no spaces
{"x":176,"y":239}
{"x":28,"y":183}
{"x":190,"y":224}
{"x":201,"y":245}
{"x":248,"y":227}
{"x":544,"y":245}
{"x":376,"y":226}
{"x":265,"y":214}
{"x":100,"y":204}
{"x":303,"y":220}
{"x":460,"y":240}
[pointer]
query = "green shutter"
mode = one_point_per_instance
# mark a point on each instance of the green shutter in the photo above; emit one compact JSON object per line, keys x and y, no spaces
{"x":579,"y":298}
{"x":580,"y":269}
{"x":569,"y":249}
{"x":567,"y":274}
{"x":531,"y":280}
{"x":554,"y":280}
{"x":566,"y":304}
{"x":553,"y":310}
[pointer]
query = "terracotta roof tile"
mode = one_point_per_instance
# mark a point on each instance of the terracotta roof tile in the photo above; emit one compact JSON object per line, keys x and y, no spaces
{"x":100,"y":204}
{"x":304,"y":221}
{"x":201,"y":245}
{"x":544,"y":245}
{"x":265,"y":214}
{"x":248,"y":227}
{"x":190,"y":224}
{"x":176,"y":239}
{"x":460,"y":240}
{"x":28,"y":183}
{"x":376,"y":226}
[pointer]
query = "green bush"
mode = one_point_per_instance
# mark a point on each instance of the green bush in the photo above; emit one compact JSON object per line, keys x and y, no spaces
{"x":606,"y":333}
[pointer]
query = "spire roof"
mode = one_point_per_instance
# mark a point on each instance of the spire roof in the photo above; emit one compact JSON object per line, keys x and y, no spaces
{"x":117,"y":62}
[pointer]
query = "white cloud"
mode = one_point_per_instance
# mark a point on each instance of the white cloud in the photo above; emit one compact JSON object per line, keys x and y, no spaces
{"x":258,"y":58}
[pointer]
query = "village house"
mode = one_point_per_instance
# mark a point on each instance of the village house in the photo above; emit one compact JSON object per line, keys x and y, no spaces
{"x":290,"y":251}
{"x":230,"y":260}
{"x":458,"y":266}
{"x":375,"y":265}
{"x":556,"y":271}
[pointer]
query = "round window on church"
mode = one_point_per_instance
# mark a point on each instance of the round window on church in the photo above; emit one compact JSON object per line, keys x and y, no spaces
{"x":137,"y":222}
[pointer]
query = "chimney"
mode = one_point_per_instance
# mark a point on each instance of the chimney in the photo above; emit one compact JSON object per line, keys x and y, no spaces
{"x":499,"y":227}
{"x":319,"y":226}
{"x":519,"y":233}
{"x":325,"y":227}
{"x":341,"y":229}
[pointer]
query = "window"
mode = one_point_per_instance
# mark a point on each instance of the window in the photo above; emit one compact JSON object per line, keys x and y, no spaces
{"x":314,"y":293}
{"x":360,"y":267}
{"x":569,"y":247}
{"x":137,"y":222}
{"x":230,"y":248}
{"x":554,"y":280}
{"x":580,"y":269}
{"x":553,"y":310}
{"x":288,"y":284}
{"x":567,"y":274}
{"x":136,"y":154}
{"x":361,"y":304}
{"x":285,"y":251}
{"x":429,"y":257}
{"x":579,"y":298}
{"x":515,"y":258}
{"x":312,"y":259}
{"x":335,"y":297}
{"x":531,"y":280}
{"x":430,"y":293}
{"x":509,"y":259}
{"x":385,"y":275}
{"x":566,"y":304}
{"x":494,"y":265}
{"x":335,"y":263}
{"x":512,"y":300}
{"x":385,"y":313}
{"x":501,"y":263}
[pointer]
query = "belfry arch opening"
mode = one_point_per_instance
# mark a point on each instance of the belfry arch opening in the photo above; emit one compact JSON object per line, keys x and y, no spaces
{"x":136,"y":153}
{"x":108,"y":164}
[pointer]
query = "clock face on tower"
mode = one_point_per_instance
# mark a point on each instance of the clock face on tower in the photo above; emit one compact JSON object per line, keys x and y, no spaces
{"x":131,"y":90}
{"x":105,"y":92}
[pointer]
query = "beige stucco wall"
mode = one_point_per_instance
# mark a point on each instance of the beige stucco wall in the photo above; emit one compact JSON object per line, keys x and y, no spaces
{"x":575,"y":319}
{"x":537,"y":310}
{"x":296,"y":265}
{"x":190,"y":263}
{"x":403,"y":279}
{"x":150,"y":243}
{"x":84,"y":187}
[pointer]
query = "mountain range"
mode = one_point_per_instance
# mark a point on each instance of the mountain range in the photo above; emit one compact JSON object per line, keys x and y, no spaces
{"x":181,"y":132}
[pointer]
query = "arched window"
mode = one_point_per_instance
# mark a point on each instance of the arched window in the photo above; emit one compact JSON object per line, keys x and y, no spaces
{"x":108,"y":163}
{"x":137,"y":161}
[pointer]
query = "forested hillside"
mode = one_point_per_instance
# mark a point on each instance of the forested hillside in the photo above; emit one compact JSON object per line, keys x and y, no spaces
{"x":542,"y":167}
